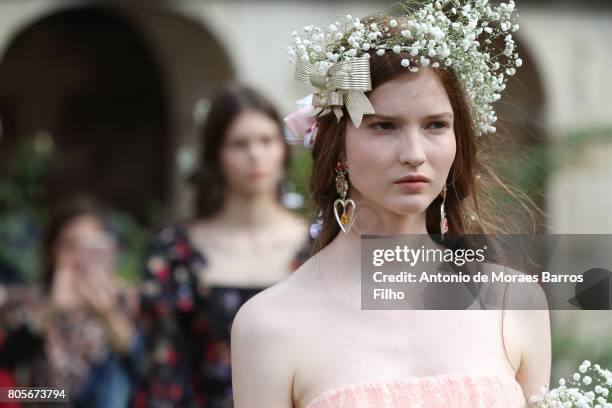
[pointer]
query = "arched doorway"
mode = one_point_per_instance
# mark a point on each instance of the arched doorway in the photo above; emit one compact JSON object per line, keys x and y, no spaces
{"x":86,"y":78}
{"x":113,"y":89}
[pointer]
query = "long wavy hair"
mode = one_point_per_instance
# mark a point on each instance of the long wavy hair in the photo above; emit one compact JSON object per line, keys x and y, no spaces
{"x":471,"y":206}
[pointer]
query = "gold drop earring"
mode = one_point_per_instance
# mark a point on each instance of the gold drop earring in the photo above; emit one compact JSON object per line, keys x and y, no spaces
{"x":443,"y":219}
{"x":345,"y":221}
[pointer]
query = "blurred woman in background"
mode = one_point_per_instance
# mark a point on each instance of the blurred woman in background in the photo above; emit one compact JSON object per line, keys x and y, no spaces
{"x":91,"y":344}
{"x":200,"y":272}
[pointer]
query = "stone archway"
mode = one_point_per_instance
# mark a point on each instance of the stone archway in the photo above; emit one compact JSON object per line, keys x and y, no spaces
{"x":194,"y":66}
{"x":114,"y":88}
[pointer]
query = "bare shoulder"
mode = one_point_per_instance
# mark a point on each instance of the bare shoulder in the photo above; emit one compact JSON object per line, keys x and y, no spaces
{"x":520,"y":291}
{"x":526,"y":330}
{"x":266,"y":338}
{"x":525,"y":292}
{"x":275,"y":309}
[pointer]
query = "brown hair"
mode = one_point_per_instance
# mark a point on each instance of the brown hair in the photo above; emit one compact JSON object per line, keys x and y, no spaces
{"x":469,"y":174}
{"x":230,"y":102}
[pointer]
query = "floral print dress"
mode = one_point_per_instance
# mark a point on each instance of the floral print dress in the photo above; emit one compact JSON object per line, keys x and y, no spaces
{"x":187,"y":326}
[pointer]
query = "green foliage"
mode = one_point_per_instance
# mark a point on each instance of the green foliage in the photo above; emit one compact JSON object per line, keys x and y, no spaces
{"x":299,"y":174}
{"x":23,"y":214}
{"x":21,"y":191}
{"x":570,"y":345}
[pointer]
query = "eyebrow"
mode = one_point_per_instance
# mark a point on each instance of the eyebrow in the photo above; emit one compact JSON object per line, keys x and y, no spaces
{"x":441,"y":115}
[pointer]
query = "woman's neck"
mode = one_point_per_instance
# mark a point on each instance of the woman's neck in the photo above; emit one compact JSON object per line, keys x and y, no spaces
{"x":251,"y":212}
{"x":339,"y":264}
{"x":343,"y":254}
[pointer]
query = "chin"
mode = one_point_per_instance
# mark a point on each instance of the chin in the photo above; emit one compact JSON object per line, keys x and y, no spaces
{"x":408,"y":205}
{"x":261,"y":188}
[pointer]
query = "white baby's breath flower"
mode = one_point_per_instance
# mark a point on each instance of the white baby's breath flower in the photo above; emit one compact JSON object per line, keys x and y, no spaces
{"x":351,"y":53}
{"x":450,"y":36}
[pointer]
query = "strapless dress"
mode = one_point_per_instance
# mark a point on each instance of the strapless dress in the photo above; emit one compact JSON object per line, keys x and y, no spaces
{"x":479,"y":390}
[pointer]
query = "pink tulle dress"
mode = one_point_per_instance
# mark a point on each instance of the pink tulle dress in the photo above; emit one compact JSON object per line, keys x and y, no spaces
{"x":487,"y":390}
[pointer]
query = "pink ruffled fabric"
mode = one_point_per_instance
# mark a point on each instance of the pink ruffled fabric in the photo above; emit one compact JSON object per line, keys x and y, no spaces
{"x":441,"y":391}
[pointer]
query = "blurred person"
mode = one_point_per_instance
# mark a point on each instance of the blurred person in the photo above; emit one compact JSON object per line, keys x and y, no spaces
{"x":91,"y":343}
{"x":242,"y":240}
{"x":395,"y":152}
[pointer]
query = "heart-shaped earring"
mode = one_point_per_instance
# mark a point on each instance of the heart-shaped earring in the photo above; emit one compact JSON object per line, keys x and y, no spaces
{"x":345,"y":221}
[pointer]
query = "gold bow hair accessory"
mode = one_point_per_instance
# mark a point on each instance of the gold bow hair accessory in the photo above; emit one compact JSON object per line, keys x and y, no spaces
{"x":340,"y":84}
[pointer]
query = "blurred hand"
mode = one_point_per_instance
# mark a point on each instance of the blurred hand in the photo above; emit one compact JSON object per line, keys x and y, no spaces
{"x":98,"y":288}
{"x":64,"y":287}
{"x":95,"y":278}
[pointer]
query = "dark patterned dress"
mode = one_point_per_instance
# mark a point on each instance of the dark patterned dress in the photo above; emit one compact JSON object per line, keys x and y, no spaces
{"x":187,"y":326}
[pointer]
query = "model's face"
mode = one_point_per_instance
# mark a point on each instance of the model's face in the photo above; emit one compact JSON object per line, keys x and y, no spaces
{"x":253,"y":154}
{"x":411,"y":134}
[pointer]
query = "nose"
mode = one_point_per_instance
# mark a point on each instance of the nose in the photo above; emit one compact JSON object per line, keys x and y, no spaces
{"x":411,"y":149}
{"x":255,"y":151}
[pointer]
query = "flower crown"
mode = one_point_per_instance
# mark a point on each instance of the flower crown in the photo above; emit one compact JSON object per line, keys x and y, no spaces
{"x":440,"y":34}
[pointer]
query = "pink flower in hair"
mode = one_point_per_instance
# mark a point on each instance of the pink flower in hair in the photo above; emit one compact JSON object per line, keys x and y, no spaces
{"x":302,"y":124}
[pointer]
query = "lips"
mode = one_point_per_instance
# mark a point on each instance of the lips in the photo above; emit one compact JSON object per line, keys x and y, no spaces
{"x":417,"y":178}
{"x":413,"y":183}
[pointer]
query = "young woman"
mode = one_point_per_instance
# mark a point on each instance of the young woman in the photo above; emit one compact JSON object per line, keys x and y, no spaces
{"x":305,"y":342}
{"x":91,"y":345}
{"x":200,"y":272}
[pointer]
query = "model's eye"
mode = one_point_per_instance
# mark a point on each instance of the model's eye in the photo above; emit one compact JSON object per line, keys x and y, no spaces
{"x":438,"y":124}
{"x":383,"y":126}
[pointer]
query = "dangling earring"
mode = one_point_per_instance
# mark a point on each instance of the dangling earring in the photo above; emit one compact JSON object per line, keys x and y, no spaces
{"x":344,"y":221}
{"x":443,"y":220}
